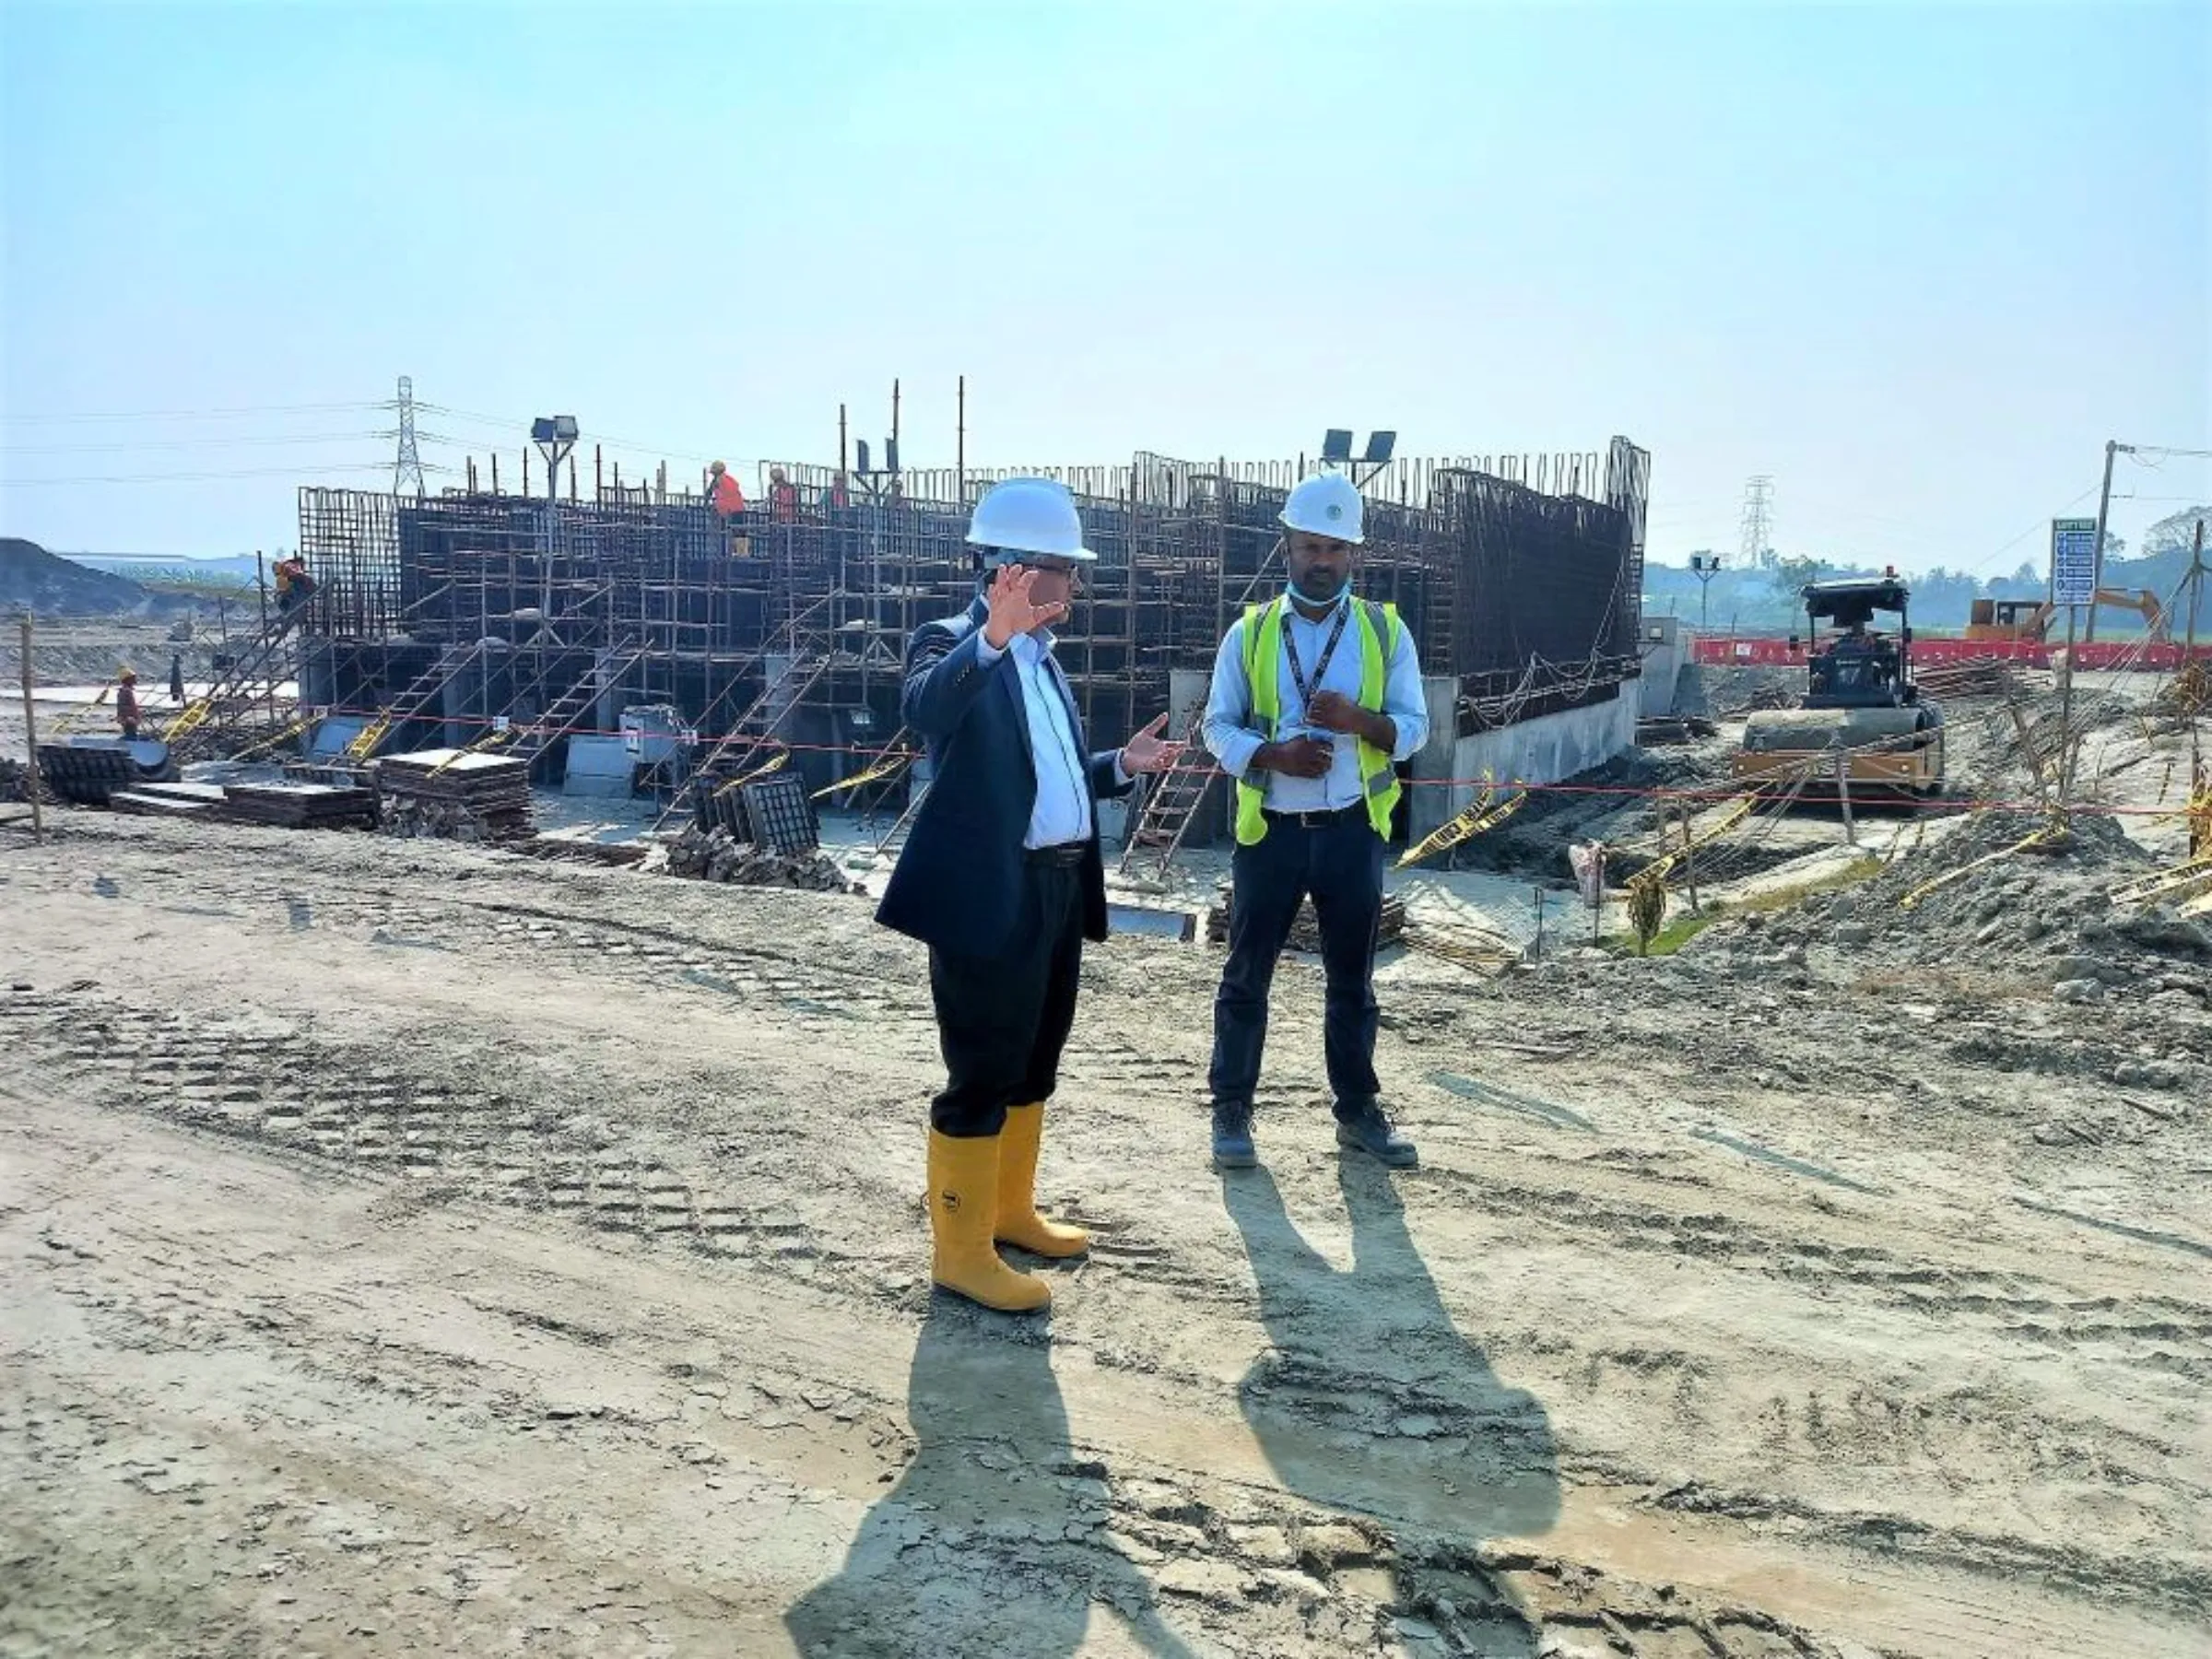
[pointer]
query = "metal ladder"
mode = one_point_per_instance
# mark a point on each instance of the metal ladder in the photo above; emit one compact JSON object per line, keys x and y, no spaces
{"x":1170,"y":800}
{"x":250,"y":677}
{"x":743,"y":748}
{"x":567,"y":710}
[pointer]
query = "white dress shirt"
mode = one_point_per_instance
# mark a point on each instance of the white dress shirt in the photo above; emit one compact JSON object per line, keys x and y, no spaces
{"x":1063,"y":809}
{"x":1232,"y":730}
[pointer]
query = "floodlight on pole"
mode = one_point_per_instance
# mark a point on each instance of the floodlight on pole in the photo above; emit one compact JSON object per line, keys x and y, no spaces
{"x":555,"y":436}
{"x":1704,"y":567}
{"x":1336,"y":451}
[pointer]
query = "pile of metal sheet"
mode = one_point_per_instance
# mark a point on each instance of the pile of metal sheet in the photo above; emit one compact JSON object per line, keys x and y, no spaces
{"x":171,"y":800}
{"x":88,"y":769}
{"x":1305,"y":928}
{"x":301,"y":806}
{"x":455,"y":793}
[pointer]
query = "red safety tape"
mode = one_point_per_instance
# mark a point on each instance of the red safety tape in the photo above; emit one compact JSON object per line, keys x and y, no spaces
{"x":1625,"y":791}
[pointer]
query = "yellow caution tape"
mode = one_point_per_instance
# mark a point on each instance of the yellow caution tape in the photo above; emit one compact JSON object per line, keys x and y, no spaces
{"x":76,"y":719}
{"x":1928,"y":889}
{"x":759,"y":772}
{"x":289,"y":732}
{"x":1478,"y":818}
{"x":490,"y":740}
{"x":881,"y":770}
{"x":1730,"y":817}
{"x":2183,"y":875}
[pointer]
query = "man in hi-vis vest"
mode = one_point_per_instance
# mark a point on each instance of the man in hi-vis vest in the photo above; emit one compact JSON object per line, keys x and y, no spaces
{"x":1316,"y":695}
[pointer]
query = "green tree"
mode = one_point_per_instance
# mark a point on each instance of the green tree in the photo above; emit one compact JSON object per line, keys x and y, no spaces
{"x":1790,"y":574}
{"x":2176,"y":533}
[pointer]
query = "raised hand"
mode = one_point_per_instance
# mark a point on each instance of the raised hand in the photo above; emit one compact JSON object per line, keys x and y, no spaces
{"x":1012,"y":611}
{"x":1148,"y":752}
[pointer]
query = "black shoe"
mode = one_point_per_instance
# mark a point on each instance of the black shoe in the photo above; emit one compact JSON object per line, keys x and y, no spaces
{"x":1232,"y":1139}
{"x":1370,"y":1133}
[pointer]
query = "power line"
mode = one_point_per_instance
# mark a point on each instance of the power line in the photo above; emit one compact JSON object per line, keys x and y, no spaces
{"x":175,"y":443}
{"x":264,"y":472}
{"x":513,"y":424}
{"x":190,"y":414}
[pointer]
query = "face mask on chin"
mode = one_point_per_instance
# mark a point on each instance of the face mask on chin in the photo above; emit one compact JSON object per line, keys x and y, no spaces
{"x":1321,"y":603}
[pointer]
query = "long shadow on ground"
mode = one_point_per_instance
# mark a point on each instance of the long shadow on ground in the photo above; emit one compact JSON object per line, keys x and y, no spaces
{"x":992,"y":1541}
{"x":1370,"y":1402}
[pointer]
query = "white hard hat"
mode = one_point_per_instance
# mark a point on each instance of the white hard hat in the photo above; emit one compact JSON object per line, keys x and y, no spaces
{"x":1327,"y":504}
{"x":1028,"y":515}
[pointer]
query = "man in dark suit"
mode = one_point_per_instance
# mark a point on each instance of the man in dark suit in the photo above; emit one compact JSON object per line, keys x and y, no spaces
{"x":1002,"y":878}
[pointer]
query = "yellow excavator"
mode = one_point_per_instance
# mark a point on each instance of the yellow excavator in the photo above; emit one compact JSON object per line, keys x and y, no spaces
{"x":2027,"y":621}
{"x":1861,"y":723}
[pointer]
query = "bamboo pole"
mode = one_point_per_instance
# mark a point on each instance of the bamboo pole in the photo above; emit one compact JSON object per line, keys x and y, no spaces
{"x":30,"y":741}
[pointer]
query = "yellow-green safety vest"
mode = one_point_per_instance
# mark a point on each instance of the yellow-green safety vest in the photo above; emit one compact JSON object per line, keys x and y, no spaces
{"x":1262,"y":666}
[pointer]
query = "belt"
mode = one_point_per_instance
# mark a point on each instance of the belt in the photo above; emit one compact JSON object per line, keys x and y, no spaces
{"x":1315,"y":820}
{"x":1065,"y":856}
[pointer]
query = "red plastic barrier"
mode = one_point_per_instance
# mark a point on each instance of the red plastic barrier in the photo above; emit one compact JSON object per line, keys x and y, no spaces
{"x":1769,"y":651}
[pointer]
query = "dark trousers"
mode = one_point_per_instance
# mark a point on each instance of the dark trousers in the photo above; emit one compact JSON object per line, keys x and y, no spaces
{"x":1339,"y":864}
{"x":1002,"y":1020}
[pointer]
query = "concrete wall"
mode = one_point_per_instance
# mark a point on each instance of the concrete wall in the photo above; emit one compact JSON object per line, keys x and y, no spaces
{"x":1545,"y":751}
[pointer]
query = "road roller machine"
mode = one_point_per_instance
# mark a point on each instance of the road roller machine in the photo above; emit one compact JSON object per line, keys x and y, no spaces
{"x":1862,"y":724}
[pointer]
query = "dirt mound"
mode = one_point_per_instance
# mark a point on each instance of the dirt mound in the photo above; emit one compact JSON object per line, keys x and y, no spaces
{"x":2044,"y":912}
{"x":2092,"y":855}
{"x":51,"y":585}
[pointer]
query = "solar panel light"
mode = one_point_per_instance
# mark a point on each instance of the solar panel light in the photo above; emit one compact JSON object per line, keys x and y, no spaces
{"x":553,"y":428}
{"x":1337,"y":445}
{"x":1379,"y":448}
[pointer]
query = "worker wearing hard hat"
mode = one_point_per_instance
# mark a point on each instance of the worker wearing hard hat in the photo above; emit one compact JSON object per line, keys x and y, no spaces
{"x":722,"y":493}
{"x":783,"y":497}
{"x":126,"y":704}
{"x":1001,"y":876}
{"x":1316,"y":696}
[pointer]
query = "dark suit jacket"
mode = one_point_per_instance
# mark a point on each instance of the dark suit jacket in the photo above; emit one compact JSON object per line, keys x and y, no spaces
{"x":958,"y":885}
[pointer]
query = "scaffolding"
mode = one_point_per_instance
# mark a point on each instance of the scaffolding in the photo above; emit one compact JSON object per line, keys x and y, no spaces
{"x":439,"y":619}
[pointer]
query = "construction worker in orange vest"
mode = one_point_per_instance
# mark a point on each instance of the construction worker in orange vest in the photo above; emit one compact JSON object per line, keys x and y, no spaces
{"x":722,"y":493}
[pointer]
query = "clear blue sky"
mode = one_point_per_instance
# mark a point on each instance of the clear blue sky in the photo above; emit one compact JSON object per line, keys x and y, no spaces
{"x":1916,"y":262}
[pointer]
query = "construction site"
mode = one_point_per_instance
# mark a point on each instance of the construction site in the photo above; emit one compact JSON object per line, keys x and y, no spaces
{"x":502,"y":1234}
{"x":540,"y":625}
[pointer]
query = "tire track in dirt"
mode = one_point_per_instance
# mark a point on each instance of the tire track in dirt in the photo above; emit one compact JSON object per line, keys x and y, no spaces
{"x":1257,"y":1569}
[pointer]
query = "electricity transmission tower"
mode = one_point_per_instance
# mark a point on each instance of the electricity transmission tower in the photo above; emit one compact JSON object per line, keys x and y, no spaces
{"x":1758,"y":522}
{"x":407,"y":470}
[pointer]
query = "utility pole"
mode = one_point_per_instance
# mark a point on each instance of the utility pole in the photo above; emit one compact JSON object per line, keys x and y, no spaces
{"x":2066,"y":717}
{"x":2196,"y":588}
{"x":32,"y":782}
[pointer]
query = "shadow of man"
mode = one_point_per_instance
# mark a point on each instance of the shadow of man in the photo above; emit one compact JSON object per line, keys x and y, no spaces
{"x":992,"y":1541}
{"x":1370,"y":1401}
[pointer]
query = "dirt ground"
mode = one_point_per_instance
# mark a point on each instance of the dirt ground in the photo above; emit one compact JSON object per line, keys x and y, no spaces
{"x":415,"y":1248}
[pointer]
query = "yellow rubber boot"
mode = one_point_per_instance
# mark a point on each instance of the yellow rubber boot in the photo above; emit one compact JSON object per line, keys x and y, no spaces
{"x":964,"y":1197}
{"x":1018,"y":1222}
